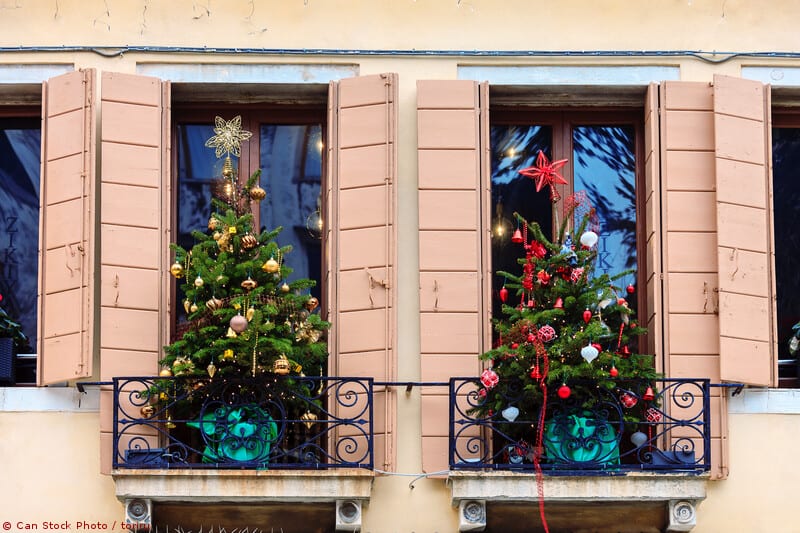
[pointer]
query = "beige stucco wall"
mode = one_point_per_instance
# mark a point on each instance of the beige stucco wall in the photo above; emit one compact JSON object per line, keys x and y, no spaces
{"x":49,"y":461}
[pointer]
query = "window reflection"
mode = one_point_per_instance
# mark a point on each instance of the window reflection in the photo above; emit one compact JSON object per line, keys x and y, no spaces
{"x":605,"y":167}
{"x":786,"y":212}
{"x":20,"y":152}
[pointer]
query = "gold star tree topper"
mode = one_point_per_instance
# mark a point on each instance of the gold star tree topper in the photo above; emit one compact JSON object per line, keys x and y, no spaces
{"x":228,"y":136}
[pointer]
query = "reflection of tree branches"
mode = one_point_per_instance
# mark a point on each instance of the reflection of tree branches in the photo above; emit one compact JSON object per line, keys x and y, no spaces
{"x":523,"y":141}
{"x":613,"y":146}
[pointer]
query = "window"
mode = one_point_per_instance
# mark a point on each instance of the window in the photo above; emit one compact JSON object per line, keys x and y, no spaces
{"x":786,"y":212}
{"x":20,"y":152}
{"x":601,"y":149}
{"x":287,"y":147}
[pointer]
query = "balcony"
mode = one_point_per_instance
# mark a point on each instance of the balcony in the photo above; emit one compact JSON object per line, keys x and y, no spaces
{"x":640,"y":449}
{"x":275,"y":440}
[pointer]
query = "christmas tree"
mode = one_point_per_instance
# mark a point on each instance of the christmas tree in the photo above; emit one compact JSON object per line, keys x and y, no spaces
{"x":565,"y":327}
{"x":246,"y":317}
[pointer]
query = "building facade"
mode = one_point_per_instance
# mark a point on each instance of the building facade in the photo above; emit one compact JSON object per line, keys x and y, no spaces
{"x":406,"y":104}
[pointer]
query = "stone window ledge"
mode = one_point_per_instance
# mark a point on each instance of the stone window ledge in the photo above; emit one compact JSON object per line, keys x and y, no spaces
{"x":243,"y":486}
{"x":651,"y":501}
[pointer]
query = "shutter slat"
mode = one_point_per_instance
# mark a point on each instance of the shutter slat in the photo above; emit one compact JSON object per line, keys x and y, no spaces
{"x":66,"y":273}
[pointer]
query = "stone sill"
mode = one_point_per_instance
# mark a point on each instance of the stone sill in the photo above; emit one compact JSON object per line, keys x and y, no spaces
{"x":628,"y":487}
{"x":243,"y":486}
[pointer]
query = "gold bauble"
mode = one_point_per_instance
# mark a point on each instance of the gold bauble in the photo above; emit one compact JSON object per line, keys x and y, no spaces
{"x":211,"y":369}
{"x":176,"y":269}
{"x":213,"y":304}
{"x":285,"y":287}
{"x":231,"y":334}
{"x":193,"y":308}
{"x":217,"y":235}
{"x":249,"y":284}
{"x":227,"y":355}
{"x":312,"y":303}
{"x":213,"y":223}
{"x":281,"y":366}
{"x":257,"y":193}
{"x":163,"y":397}
{"x":271,"y":266}
{"x":223,"y":241}
{"x":308,"y":418}
{"x":249,"y":241}
{"x":198,"y":282}
{"x":165,"y":373}
{"x":147,"y":411}
{"x":187,"y":305}
{"x":251,"y":312}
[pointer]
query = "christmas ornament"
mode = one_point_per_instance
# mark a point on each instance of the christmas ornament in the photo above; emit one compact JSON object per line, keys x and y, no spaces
{"x":309,"y":419}
{"x":271,"y":266}
{"x":285,"y":287}
{"x":231,"y":334}
{"x":198,"y":282}
{"x":794,"y":344}
{"x":589,"y":353}
{"x":648,"y":394}
{"x":630,"y":288}
{"x":564,"y":392}
{"x":213,"y":304}
{"x":211,"y":369}
{"x":213,"y":223}
{"x":559,"y":304}
{"x":216,"y":236}
{"x":531,"y":337}
{"x":251,"y":312}
{"x":187,"y":305}
{"x":257,"y":193}
{"x":193,"y":308}
{"x":163,"y":397}
{"x":228,"y":136}
{"x":566,"y":249}
{"x":597,"y":345}
{"x":227,"y":355}
{"x":547,"y":333}
{"x":514,"y":345}
{"x":517,"y":237}
{"x":311,"y":303}
{"x":232,"y":230}
{"x":638,"y":439}
{"x":249,"y":242}
{"x":249,"y":284}
{"x":538,"y":250}
{"x":546,"y":173}
{"x":165,"y":373}
{"x":531,"y":304}
{"x":575,"y":275}
{"x":613,"y":372}
{"x":147,"y":411}
{"x":589,"y":239}
{"x":489,"y":378}
{"x":503,"y":294}
{"x":176,"y":269}
{"x":238,"y":323}
{"x":536,"y":373}
{"x":510,"y":413}
{"x":281,"y":365}
{"x":652,"y":415}
{"x":543,"y":277}
{"x":628,"y":400}
{"x":587,"y":316}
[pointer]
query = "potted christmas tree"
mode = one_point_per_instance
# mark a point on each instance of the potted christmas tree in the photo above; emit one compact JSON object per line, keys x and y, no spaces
{"x":249,"y":326}
{"x":564,"y":373}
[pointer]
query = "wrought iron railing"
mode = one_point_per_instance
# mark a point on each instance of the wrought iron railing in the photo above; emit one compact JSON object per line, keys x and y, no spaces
{"x":661,"y":425}
{"x":268,"y":422}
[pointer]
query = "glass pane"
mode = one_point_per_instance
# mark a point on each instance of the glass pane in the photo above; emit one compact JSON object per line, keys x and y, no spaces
{"x":20,"y":152}
{"x":604,"y":163}
{"x":786,"y":205}
{"x":291,"y":164}
{"x":515,"y":148}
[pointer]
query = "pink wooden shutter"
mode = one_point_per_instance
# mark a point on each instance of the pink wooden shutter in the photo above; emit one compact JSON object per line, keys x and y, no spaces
{"x":134,"y":215}
{"x":453,"y":316}
{"x":743,"y":231}
{"x":66,"y":269}
{"x":691,"y":330}
{"x":652,"y":165}
{"x":361,"y":240}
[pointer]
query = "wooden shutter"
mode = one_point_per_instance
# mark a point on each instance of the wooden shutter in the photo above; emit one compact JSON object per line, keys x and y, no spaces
{"x":743,"y":231}
{"x":361,"y":240}
{"x":67,"y":201}
{"x":454,"y":318}
{"x":134,"y":216}
{"x":653,"y":237}
{"x":691,"y":328}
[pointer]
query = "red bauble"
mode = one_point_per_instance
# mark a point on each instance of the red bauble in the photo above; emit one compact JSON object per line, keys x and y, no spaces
{"x":587,"y":316}
{"x":531,"y":337}
{"x":628,"y":400}
{"x":648,"y":394}
{"x":630,"y":289}
{"x":597,"y":345}
{"x":517,"y":236}
{"x":547,"y":333}
{"x":503,"y":294}
{"x":621,"y":301}
{"x":536,"y":373}
{"x":564,"y":392}
{"x":613,"y":372}
{"x":514,"y":345}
